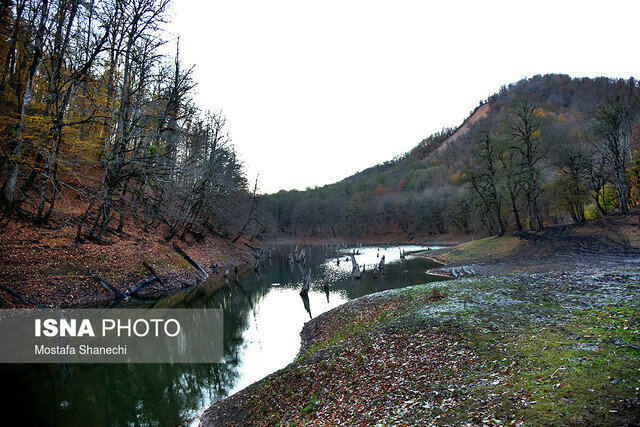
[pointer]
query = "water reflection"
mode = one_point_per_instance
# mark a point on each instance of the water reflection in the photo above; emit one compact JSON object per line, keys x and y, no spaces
{"x":263,"y":316}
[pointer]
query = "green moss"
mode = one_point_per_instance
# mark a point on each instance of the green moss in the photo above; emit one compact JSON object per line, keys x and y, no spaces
{"x":497,"y":247}
{"x":536,"y":355}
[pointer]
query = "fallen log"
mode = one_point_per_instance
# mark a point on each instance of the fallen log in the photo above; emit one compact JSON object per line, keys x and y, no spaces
{"x":20,"y":297}
{"x":184,"y":255}
{"x":153,"y":272}
{"x":253,"y":248}
{"x":117,"y":293}
{"x":140,"y":286}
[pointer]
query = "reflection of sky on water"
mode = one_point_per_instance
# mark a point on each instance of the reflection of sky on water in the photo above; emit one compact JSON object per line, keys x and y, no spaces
{"x":263,"y":317}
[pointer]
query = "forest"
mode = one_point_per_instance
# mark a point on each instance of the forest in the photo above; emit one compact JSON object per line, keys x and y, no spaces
{"x":99,"y":129}
{"x":546,"y":150}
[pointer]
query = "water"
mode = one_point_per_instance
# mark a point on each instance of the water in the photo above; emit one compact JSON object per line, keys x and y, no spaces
{"x":263,"y":317}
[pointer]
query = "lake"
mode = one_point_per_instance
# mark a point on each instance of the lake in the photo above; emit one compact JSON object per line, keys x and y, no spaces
{"x":263,"y":316}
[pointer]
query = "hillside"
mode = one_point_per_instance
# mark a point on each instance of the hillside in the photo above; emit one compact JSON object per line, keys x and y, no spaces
{"x":441,"y":185}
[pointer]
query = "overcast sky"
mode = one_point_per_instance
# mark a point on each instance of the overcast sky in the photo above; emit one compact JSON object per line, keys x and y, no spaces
{"x":316,"y":91}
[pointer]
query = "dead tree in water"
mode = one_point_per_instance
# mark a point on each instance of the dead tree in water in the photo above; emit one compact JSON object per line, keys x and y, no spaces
{"x":356,"y":272}
{"x":356,"y":267}
{"x":306,"y":284}
{"x":326,"y":282}
{"x":301,"y":257}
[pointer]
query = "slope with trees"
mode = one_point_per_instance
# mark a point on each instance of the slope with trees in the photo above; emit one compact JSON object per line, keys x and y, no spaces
{"x":543,"y":151}
{"x":101,"y":143}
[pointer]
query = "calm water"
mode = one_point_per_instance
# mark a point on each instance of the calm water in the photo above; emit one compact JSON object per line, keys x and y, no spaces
{"x":263,"y":317}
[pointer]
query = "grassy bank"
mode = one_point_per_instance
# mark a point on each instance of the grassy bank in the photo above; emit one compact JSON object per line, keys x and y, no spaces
{"x":543,"y":349}
{"x":546,"y":331}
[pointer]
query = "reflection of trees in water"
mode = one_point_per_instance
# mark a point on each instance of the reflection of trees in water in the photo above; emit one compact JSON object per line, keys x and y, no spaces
{"x":139,"y":393}
{"x":120,"y":394}
{"x":113,"y":394}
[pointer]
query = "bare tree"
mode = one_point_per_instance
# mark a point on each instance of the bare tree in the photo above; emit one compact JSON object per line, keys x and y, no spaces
{"x":529,"y":149}
{"x":613,"y":124}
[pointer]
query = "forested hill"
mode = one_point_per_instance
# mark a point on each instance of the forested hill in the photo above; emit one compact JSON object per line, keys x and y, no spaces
{"x":546,"y":150}
{"x":99,"y":129}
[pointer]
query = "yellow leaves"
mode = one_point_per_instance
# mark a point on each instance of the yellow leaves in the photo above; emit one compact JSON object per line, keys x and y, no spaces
{"x":457,"y":178}
{"x":539,"y":112}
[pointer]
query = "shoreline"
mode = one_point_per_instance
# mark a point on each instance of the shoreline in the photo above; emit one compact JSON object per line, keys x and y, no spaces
{"x":49,"y":268}
{"x":340,"y":356}
{"x":381,"y":239}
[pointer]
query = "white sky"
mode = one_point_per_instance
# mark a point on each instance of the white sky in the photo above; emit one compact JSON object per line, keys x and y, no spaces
{"x":316,"y":91}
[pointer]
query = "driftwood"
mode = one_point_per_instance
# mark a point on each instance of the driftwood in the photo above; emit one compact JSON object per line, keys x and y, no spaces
{"x":153,"y":272}
{"x":20,"y":297}
{"x":305,"y":285}
{"x":184,"y":255}
{"x":117,"y":293}
{"x":140,"y":286}
{"x":251,"y":247}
